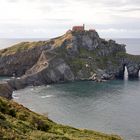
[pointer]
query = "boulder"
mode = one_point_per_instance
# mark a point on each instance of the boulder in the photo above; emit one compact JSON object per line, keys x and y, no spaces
{"x":6,"y":90}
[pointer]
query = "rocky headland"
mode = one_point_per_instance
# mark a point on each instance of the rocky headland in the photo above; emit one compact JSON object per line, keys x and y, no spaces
{"x":76,"y":55}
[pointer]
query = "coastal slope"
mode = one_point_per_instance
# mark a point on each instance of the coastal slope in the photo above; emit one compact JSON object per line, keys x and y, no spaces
{"x":18,"y":122}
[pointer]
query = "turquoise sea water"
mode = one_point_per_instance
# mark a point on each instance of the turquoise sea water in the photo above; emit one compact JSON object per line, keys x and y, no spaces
{"x":111,"y":107}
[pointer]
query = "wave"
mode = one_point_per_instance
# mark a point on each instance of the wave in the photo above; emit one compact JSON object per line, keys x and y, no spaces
{"x":14,"y":96}
{"x":48,"y":86}
{"x":47,"y":96}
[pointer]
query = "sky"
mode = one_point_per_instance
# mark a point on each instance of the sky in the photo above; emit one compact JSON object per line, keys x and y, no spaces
{"x":51,"y":18}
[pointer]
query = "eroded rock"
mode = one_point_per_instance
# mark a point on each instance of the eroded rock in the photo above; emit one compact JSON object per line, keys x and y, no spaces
{"x":6,"y":90}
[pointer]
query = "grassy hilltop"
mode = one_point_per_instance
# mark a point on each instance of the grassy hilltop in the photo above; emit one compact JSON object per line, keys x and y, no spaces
{"x":18,"y":122}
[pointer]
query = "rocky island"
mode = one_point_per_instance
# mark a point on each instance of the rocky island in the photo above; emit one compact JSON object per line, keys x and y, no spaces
{"x":79,"y":54}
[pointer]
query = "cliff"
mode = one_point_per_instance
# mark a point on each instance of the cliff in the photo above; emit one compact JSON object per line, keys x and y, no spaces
{"x":76,"y":55}
{"x":17,"y":122}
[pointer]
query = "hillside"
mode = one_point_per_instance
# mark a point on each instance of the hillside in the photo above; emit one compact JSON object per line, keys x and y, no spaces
{"x":18,"y":122}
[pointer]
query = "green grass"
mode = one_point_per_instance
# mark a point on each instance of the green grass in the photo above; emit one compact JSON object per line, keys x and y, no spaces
{"x":133,"y":58}
{"x":22,"y":47}
{"x":18,"y":122}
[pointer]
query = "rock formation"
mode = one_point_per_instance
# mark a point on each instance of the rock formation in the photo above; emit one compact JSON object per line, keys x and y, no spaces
{"x":76,"y":55}
{"x":5,"y":90}
{"x":132,"y":62}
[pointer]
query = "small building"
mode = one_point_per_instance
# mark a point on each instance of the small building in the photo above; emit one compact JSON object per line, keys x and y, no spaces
{"x":78,"y":28}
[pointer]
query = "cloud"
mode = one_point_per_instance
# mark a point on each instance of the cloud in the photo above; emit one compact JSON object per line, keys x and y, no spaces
{"x":133,"y":9}
{"x":11,"y":1}
{"x":52,"y":17}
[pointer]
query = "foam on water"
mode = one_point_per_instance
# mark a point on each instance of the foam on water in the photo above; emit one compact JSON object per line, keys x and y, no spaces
{"x":47,"y":96}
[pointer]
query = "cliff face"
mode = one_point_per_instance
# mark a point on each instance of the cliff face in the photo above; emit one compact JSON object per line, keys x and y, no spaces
{"x":17,"y":59}
{"x":90,"y":55}
{"x":77,"y":55}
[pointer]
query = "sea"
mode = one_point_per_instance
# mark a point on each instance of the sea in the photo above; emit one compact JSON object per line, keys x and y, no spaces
{"x":112,"y":107}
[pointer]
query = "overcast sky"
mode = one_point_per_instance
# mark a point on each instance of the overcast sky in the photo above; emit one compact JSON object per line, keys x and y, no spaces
{"x":49,"y":18}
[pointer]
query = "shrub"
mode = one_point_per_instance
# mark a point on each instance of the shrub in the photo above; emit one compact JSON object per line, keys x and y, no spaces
{"x":12,"y":112}
{"x":22,"y":116}
{"x":40,"y":124}
{"x":2,"y":117}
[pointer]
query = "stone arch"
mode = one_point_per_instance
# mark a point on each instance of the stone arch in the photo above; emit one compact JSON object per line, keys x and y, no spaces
{"x":121,"y":72}
{"x":122,"y":75}
{"x":126,"y":73}
{"x":133,"y":65}
{"x":133,"y":71}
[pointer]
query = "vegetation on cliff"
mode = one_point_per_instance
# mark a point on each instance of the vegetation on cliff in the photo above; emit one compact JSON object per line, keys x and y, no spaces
{"x":17,"y":122}
{"x":21,"y":47}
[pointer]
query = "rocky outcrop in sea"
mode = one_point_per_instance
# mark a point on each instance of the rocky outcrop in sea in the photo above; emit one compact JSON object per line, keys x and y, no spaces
{"x":76,"y":55}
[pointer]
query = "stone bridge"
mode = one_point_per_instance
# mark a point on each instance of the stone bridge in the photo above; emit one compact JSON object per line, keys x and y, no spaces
{"x":132,"y":64}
